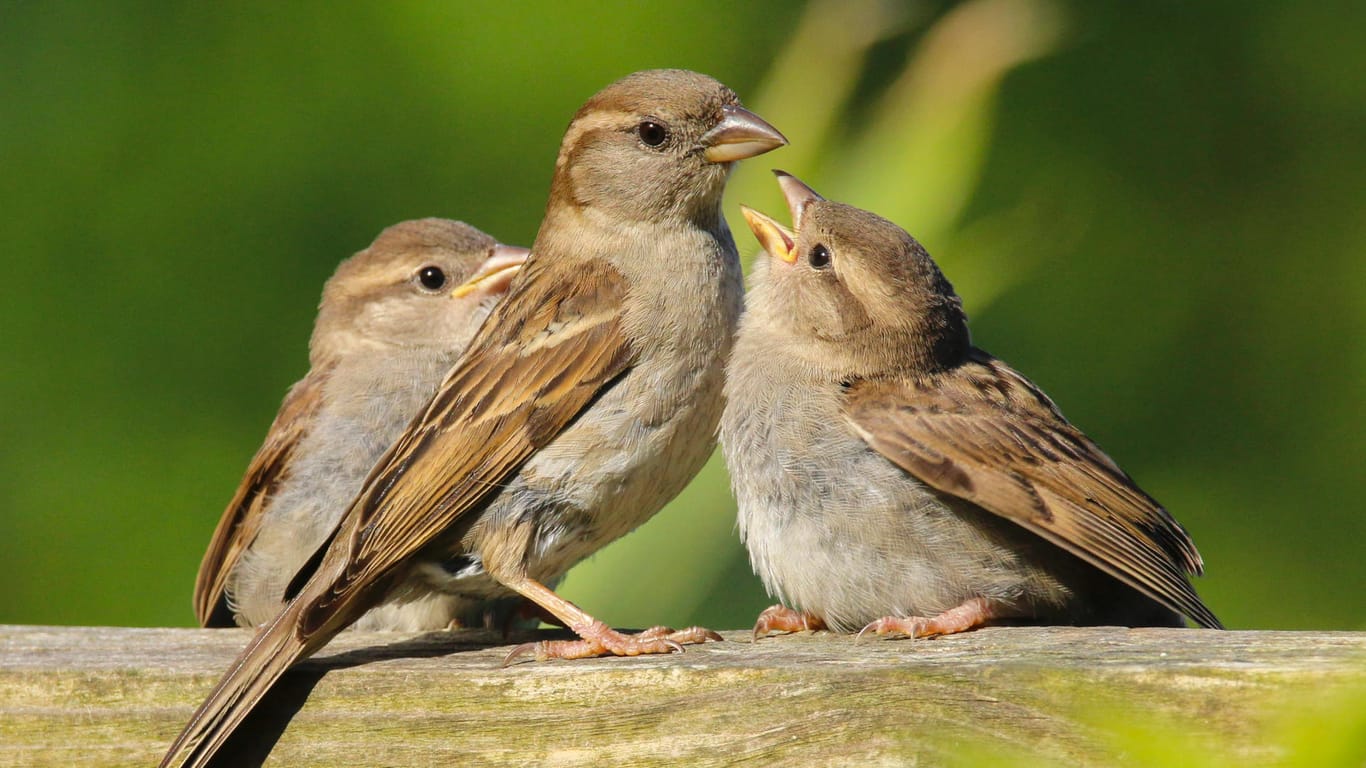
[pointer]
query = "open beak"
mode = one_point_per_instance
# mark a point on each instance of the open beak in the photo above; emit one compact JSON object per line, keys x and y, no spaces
{"x":739,"y":135}
{"x":779,"y":241}
{"x":495,"y":274}
{"x":797,"y":194}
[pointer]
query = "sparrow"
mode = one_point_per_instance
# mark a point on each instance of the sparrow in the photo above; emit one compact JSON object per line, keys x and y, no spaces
{"x":388,"y":329}
{"x":893,"y":477}
{"x":585,"y":402}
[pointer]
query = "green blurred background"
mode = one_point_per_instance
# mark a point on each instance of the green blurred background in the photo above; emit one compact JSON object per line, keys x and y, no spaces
{"x":1154,"y":210}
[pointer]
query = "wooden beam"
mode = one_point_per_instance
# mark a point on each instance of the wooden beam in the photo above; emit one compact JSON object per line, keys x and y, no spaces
{"x":99,"y":696}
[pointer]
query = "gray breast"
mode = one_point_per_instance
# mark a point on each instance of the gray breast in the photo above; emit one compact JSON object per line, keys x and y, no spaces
{"x":836,"y":529}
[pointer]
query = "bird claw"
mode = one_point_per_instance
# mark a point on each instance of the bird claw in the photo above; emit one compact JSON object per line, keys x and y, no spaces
{"x":896,"y":625}
{"x":601,"y":640}
{"x":971,"y":614}
{"x":780,"y":618}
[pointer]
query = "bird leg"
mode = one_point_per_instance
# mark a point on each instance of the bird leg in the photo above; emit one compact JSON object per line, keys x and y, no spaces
{"x":780,"y":618}
{"x":971,"y":614}
{"x":597,"y":639}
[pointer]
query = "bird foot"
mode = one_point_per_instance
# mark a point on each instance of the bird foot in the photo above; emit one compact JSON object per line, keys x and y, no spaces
{"x":970,"y":615}
{"x":598,"y":639}
{"x":780,"y":618}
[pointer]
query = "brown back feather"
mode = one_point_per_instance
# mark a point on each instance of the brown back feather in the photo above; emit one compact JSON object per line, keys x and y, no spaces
{"x":984,"y":433}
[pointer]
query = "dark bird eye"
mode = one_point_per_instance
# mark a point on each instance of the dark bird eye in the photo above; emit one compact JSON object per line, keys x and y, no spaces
{"x":819,"y":256}
{"x":432,"y":278}
{"x":652,"y":133}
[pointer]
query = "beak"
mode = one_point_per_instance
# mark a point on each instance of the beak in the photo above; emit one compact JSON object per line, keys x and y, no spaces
{"x":778,"y":240}
{"x":797,"y":194}
{"x":495,"y":274}
{"x":739,"y":135}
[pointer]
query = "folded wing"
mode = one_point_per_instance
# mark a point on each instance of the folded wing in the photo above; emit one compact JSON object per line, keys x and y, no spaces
{"x":984,"y":433}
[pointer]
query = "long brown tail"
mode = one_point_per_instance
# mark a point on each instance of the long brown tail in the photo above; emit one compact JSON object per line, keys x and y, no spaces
{"x":274,"y":649}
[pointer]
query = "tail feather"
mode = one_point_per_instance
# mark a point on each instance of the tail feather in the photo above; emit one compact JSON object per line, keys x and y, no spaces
{"x":271,"y":652}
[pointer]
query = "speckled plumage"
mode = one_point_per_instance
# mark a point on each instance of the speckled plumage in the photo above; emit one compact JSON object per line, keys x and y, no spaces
{"x":585,"y":402}
{"x":885,"y":467}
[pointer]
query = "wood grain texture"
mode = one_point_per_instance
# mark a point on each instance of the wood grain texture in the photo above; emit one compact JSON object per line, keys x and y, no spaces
{"x":99,"y":696}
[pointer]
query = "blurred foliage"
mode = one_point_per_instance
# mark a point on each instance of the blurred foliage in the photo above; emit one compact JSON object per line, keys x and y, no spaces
{"x":1154,"y":210}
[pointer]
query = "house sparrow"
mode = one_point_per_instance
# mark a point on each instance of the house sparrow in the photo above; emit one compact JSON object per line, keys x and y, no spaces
{"x":587,"y":400}
{"x":892,"y":476}
{"x":388,"y":329}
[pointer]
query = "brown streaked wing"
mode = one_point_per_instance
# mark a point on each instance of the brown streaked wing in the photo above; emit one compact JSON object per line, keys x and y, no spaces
{"x":241,"y":520}
{"x":984,"y":433}
{"x":548,"y":349}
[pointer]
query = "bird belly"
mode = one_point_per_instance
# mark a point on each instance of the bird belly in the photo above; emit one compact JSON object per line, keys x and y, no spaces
{"x":834,"y":529}
{"x":658,"y":431}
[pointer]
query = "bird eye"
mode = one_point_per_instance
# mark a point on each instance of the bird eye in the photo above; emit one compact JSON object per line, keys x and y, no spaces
{"x":652,"y":133}
{"x":432,"y":278}
{"x":819,"y":257}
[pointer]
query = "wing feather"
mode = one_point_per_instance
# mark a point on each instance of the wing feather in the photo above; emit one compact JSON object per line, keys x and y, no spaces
{"x":984,"y":433}
{"x":546,"y":352}
{"x":242,"y":518}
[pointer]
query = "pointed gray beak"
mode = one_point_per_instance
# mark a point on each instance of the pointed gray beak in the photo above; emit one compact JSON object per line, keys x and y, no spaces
{"x":739,"y":135}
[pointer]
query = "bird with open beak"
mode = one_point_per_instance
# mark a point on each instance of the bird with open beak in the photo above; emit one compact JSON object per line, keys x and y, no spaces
{"x":894,"y":478}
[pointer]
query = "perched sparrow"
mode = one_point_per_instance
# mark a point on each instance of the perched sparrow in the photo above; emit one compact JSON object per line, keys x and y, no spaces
{"x":388,"y":329}
{"x":586,"y":401}
{"x":894,"y":477}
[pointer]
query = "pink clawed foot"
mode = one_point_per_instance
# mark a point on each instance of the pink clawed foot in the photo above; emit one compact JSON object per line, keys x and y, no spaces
{"x":970,"y":615}
{"x":598,"y":639}
{"x":780,"y":618}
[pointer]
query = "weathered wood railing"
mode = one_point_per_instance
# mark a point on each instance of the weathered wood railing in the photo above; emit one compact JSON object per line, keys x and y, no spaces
{"x":115,"y":697}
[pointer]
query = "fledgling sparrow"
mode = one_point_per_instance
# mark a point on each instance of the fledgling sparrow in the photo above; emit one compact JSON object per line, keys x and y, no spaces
{"x":388,"y":329}
{"x":587,"y":400}
{"x":892,"y":476}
